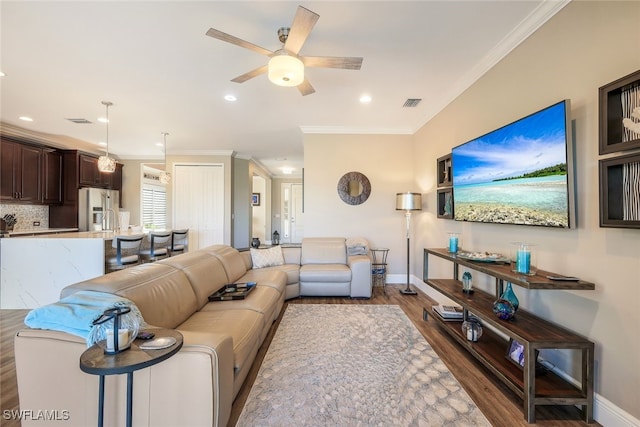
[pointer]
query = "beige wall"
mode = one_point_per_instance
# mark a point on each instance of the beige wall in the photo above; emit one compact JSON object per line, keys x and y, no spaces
{"x":387,"y":161}
{"x":586,"y":45}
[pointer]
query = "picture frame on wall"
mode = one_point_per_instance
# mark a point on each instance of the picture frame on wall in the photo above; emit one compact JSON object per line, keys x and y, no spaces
{"x":619,"y":193}
{"x":255,"y":199}
{"x":619,"y":114}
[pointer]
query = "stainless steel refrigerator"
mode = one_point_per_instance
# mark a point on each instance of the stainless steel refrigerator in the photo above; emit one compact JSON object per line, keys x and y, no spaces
{"x":98,"y":209}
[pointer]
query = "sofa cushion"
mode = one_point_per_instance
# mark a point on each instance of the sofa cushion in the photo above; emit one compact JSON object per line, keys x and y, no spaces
{"x":271,"y":257}
{"x":323,"y":250}
{"x":270,"y":276}
{"x":244,"y":327}
{"x":204,"y":270}
{"x":263,"y":299}
{"x":149,"y":286}
{"x":338,"y":273}
{"x":231,"y":259}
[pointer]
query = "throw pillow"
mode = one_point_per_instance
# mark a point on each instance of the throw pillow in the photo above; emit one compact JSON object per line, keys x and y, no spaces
{"x":267,"y":257}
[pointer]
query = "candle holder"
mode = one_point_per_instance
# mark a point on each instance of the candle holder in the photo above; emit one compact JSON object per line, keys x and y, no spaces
{"x":115,"y":330}
{"x":454,"y":243}
{"x":472,"y":329}
{"x":523,"y":258}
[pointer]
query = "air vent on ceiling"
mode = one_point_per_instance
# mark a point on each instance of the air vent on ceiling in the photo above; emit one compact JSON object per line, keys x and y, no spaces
{"x":80,"y":121}
{"x":412,"y":102}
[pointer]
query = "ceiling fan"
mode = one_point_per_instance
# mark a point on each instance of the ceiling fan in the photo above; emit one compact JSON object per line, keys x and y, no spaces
{"x":286,"y":68}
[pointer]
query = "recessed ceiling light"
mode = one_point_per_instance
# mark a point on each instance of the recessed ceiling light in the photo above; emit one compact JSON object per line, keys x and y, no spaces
{"x":25,"y":119}
{"x":2,"y":74}
{"x":159,"y":144}
{"x":287,"y":170}
{"x":103,"y":120}
{"x":365,"y":99}
{"x":230,"y":98}
{"x":102,"y":144}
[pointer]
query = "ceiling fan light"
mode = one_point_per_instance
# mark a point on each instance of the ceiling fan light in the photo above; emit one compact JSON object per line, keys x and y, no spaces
{"x":286,"y":70}
{"x":106,"y":164}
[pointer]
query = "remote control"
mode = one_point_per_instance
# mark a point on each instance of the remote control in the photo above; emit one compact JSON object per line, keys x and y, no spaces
{"x":563,"y":278}
{"x":145,"y":335}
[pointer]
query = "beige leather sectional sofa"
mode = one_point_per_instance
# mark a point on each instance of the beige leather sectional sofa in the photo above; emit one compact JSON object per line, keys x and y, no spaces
{"x":197,"y":386}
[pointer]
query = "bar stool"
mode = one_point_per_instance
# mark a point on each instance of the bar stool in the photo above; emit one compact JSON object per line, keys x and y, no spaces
{"x":158,"y":246}
{"x":127,"y":252}
{"x":179,"y":242}
{"x":379,"y":267}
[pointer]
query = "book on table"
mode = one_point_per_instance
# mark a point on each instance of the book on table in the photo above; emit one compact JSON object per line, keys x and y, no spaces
{"x":449,"y":312}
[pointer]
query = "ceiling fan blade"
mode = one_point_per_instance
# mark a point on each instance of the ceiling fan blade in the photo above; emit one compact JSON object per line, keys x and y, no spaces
{"x":305,"y":87}
{"x":216,"y":34}
{"x":302,"y":25}
{"x":348,"y":63}
{"x":251,"y":74}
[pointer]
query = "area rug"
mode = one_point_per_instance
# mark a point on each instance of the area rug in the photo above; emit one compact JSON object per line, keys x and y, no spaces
{"x":354,"y":365}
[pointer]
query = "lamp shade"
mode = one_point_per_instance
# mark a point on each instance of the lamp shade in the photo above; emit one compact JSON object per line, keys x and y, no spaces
{"x":286,"y":70}
{"x":408,"y":201}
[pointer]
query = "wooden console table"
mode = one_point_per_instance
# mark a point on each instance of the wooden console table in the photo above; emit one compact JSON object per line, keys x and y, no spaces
{"x":531,"y":331}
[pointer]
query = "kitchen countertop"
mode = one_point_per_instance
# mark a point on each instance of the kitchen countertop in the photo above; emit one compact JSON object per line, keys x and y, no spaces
{"x":71,"y":234}
{"x":104,"y":235}
{"x":30,"y":231}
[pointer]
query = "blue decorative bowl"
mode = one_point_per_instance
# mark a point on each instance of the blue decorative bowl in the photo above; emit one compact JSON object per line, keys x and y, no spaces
{"x":504,"y":309}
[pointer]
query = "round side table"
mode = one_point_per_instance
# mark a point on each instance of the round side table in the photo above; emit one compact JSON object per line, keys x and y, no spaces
{"x":94,"y":361}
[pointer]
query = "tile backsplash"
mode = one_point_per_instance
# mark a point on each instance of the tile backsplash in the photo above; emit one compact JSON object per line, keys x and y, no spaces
{"x":26,"y":215}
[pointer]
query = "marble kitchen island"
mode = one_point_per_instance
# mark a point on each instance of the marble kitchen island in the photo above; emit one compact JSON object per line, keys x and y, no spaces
{"x":34,"y":269}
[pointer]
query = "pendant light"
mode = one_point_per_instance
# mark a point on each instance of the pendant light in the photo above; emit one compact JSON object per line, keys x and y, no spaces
{"x":165,"y":176}
{"x":105,"y":163}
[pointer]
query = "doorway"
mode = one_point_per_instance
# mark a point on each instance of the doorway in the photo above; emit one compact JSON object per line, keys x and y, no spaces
{"x":291,"y":209}
{"x":199,"y":203}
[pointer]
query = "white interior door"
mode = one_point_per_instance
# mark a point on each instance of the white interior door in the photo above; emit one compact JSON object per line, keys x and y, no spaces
{"x":198,"y":203}
{"x":297,"y":223}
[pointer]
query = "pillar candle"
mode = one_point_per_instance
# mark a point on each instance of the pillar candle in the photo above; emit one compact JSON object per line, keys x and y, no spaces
{"x":523,"y":261}
{"x":453,"y":244}
{"x":123,"y":339}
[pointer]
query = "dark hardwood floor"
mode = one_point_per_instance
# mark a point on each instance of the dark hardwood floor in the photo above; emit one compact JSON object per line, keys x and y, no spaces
{"x":499,"y":404}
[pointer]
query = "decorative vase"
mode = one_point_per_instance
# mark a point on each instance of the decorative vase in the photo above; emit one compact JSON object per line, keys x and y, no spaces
{"x":510,"y":296}
{"x":255,"y":242}
{"x":503,"y":309}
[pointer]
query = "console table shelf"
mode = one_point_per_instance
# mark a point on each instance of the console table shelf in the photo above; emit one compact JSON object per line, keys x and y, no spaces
{"x":503,"y":272}
{"x":531,"y":331}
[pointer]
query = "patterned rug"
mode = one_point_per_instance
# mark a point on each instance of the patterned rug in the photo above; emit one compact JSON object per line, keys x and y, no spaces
{"x":350,"y":365}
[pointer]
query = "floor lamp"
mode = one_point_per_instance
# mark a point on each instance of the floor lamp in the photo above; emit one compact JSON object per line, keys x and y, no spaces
{"x":408,"y":202}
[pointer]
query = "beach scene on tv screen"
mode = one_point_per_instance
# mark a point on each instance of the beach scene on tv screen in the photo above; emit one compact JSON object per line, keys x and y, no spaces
{"x":516,"y":174}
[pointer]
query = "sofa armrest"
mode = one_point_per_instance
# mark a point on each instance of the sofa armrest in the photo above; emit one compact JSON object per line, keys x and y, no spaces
{"x":194,"y":387}
{"x":360,"y":266}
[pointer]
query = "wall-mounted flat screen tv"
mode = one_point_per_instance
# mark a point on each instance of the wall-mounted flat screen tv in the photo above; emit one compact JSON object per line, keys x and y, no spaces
{"x":521,"y":173}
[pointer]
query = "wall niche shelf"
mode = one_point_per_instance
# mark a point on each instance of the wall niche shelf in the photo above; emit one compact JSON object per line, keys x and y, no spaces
{"x":444,"y":181}
{"x":533,"y":332}
{"x":619,"y":194}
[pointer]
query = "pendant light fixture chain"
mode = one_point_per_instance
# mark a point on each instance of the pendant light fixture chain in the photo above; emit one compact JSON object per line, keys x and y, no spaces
{"x":105,"y":163}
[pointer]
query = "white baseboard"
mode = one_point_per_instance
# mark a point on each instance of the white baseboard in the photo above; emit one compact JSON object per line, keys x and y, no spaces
{"x":604,"y":411}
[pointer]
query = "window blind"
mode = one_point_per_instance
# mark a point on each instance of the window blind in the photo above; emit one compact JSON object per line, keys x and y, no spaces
{"x":154,"y":207}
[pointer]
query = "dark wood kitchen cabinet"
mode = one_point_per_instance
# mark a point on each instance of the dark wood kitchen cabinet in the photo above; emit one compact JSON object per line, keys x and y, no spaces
{"x":20,"y":166}
{"x":51,"y":176}
{"x":80,"y":170}
{"x":90,"y":176}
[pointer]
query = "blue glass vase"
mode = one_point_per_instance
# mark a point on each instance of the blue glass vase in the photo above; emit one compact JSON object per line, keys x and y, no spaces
{"x":503,"y":309}
{"x":510,"y":296}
